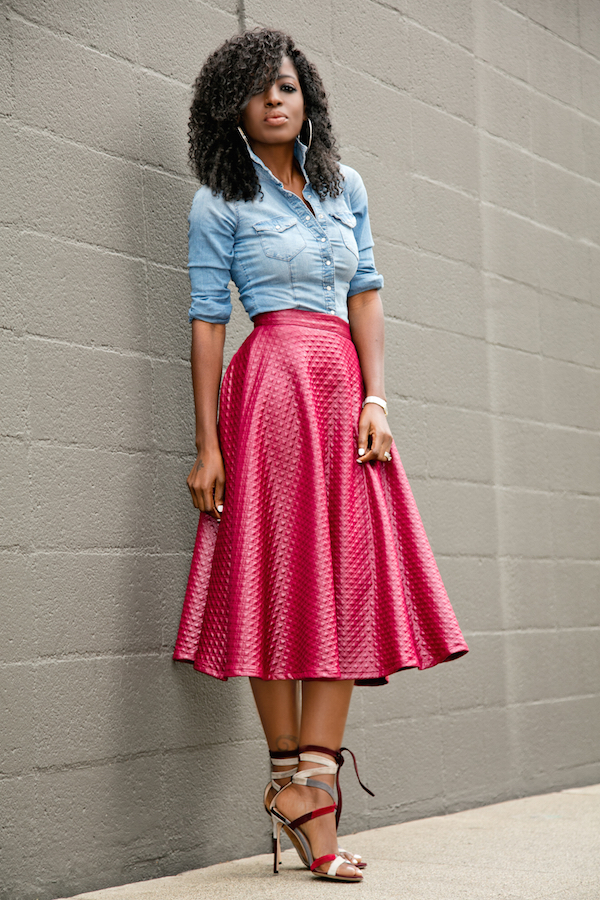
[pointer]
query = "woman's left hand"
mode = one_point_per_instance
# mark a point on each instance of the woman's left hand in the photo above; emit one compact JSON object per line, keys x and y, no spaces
{"x":374,"y":435}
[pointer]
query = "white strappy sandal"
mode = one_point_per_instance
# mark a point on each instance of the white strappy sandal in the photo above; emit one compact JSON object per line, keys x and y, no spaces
{"x":287,"y":758}
{"x":328,"y":764}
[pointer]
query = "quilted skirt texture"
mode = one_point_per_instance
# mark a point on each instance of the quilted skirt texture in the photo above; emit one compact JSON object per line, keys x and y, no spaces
{"x":320,"y":566}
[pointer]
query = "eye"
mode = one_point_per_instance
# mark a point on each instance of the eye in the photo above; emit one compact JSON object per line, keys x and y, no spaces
{"x":288,"y":88}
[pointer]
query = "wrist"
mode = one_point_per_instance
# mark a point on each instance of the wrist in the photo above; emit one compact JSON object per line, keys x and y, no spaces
{"x":376,"y":400}
{"x":207,"y":445}
{"x":376,"y":389}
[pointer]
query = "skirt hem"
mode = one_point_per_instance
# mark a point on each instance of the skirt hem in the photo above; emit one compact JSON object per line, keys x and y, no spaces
{"x":362,"y":679}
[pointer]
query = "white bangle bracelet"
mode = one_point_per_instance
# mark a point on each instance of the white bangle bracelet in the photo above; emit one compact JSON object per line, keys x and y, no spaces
{"x":378,"y":401}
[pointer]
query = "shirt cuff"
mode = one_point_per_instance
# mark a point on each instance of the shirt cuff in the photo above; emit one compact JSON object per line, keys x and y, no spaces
{"x":209,"y":311}
{"x":367,"y":282}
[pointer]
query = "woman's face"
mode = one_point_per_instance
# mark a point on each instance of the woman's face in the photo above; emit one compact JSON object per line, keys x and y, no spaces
{"x":275,"y":115}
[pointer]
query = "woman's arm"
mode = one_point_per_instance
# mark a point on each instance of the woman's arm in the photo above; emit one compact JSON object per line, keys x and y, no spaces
{"x":206,"y":481}
{"x":365,"y":314}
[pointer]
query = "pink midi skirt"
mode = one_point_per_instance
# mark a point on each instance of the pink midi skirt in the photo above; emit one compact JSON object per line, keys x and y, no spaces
{"x":320,"y":566}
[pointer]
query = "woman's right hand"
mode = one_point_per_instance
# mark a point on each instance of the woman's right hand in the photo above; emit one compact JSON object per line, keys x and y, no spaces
{"x":206,"y":482}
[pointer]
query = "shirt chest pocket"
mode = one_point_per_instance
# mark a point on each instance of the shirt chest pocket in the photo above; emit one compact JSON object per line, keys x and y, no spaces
{"x":280,"y":237}
{"x":346,"y":221}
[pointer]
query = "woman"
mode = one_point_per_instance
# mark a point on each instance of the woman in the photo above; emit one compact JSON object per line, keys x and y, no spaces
{"x":311,"y":566}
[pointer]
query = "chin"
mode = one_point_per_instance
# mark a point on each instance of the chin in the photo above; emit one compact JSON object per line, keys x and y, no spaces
{"x":278,"y":137}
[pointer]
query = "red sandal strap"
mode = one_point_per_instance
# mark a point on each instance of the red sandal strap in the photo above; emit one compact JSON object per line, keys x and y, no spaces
{"x":314,"y":814}
{"x":329,"y":857}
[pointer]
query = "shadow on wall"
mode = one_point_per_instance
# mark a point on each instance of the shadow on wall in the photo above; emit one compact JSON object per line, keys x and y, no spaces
{"x":187,"y":738}
{"x":135,"y":753}
{"x":212,"y":733}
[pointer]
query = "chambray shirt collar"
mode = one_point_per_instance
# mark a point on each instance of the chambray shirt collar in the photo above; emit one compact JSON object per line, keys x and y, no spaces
{"x":300,"y":151}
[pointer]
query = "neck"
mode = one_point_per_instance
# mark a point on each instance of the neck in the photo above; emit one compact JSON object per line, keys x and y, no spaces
{"x":279,"y":158}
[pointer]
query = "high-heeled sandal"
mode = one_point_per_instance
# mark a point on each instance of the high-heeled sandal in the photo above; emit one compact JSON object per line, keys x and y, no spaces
{"x":304,"y":777}
{"x":288,"y":758}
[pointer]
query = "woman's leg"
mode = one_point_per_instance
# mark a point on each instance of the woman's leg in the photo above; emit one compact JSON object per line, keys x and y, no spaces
{"x":324,"y":713}
{"x":323,"y":720}
{"x":278,"y":706}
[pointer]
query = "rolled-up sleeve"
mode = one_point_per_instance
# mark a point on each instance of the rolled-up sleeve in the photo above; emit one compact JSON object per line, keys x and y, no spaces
{"x":367,"y":278}
{"x":211,"y":237}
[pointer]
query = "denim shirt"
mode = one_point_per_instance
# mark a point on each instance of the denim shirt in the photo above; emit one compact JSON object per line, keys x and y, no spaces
{"x":277,"y":253}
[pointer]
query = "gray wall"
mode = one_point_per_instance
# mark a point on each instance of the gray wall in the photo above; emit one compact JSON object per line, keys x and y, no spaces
{"x":476,"y":126}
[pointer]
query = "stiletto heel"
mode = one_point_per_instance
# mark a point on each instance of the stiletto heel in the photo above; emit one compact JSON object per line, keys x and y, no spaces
{"x":291,"y":759}
{"x":276,"y":846}
{"x":293,"y":827}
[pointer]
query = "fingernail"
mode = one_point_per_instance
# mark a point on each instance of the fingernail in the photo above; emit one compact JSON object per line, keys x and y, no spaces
{"x":361,"y":451}
{"x":220,"y":508}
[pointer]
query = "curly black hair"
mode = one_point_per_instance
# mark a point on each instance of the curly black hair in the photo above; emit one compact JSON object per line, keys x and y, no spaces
{"x":241,"y":67}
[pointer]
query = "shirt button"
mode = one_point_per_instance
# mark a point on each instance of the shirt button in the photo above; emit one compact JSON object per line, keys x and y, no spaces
{"x":278,"y":228}
{"x":307,"y":218}
{"x":323,"y":240}
{"x":328,"y":288}
{"x":321,"y":216}
{"x":327,"y":262}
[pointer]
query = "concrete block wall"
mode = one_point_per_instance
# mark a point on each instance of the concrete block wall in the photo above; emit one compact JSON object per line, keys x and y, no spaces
{"x":476,"y":127}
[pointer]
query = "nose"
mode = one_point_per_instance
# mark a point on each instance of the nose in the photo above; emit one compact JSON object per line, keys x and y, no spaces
{"x":271,"y":98}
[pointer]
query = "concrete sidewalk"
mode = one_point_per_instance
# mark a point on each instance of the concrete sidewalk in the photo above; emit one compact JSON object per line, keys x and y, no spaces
{"x":537,"y":848}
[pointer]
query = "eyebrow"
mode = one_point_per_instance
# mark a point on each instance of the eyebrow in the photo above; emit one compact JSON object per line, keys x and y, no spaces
{"x":286,"y":76}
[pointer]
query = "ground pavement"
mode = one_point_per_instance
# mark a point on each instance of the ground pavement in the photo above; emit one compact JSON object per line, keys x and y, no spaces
{"x":536,"y":848}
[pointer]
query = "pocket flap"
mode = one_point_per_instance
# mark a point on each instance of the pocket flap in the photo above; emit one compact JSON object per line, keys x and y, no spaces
{"x":280,"y":223}
{"x":345,"y":217}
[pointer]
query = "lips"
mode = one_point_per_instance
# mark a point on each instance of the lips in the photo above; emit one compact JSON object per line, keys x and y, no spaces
{"x":275,"y":118}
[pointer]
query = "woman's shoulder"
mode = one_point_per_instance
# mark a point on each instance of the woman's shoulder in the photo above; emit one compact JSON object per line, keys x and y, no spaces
{"x":352,"y":179}
{"x":353,"y":184}
{"x":354,"y":189}
{"x":206,"y":203}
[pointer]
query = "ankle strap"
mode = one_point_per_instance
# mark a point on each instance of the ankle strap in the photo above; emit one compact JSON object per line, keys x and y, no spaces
{"x":327,"y":768}
{"x":313,"y":748}
{"x":282,"y":758}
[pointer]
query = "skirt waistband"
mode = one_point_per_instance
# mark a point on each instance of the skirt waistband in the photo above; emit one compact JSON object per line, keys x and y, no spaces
{"x":305,"y":319}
